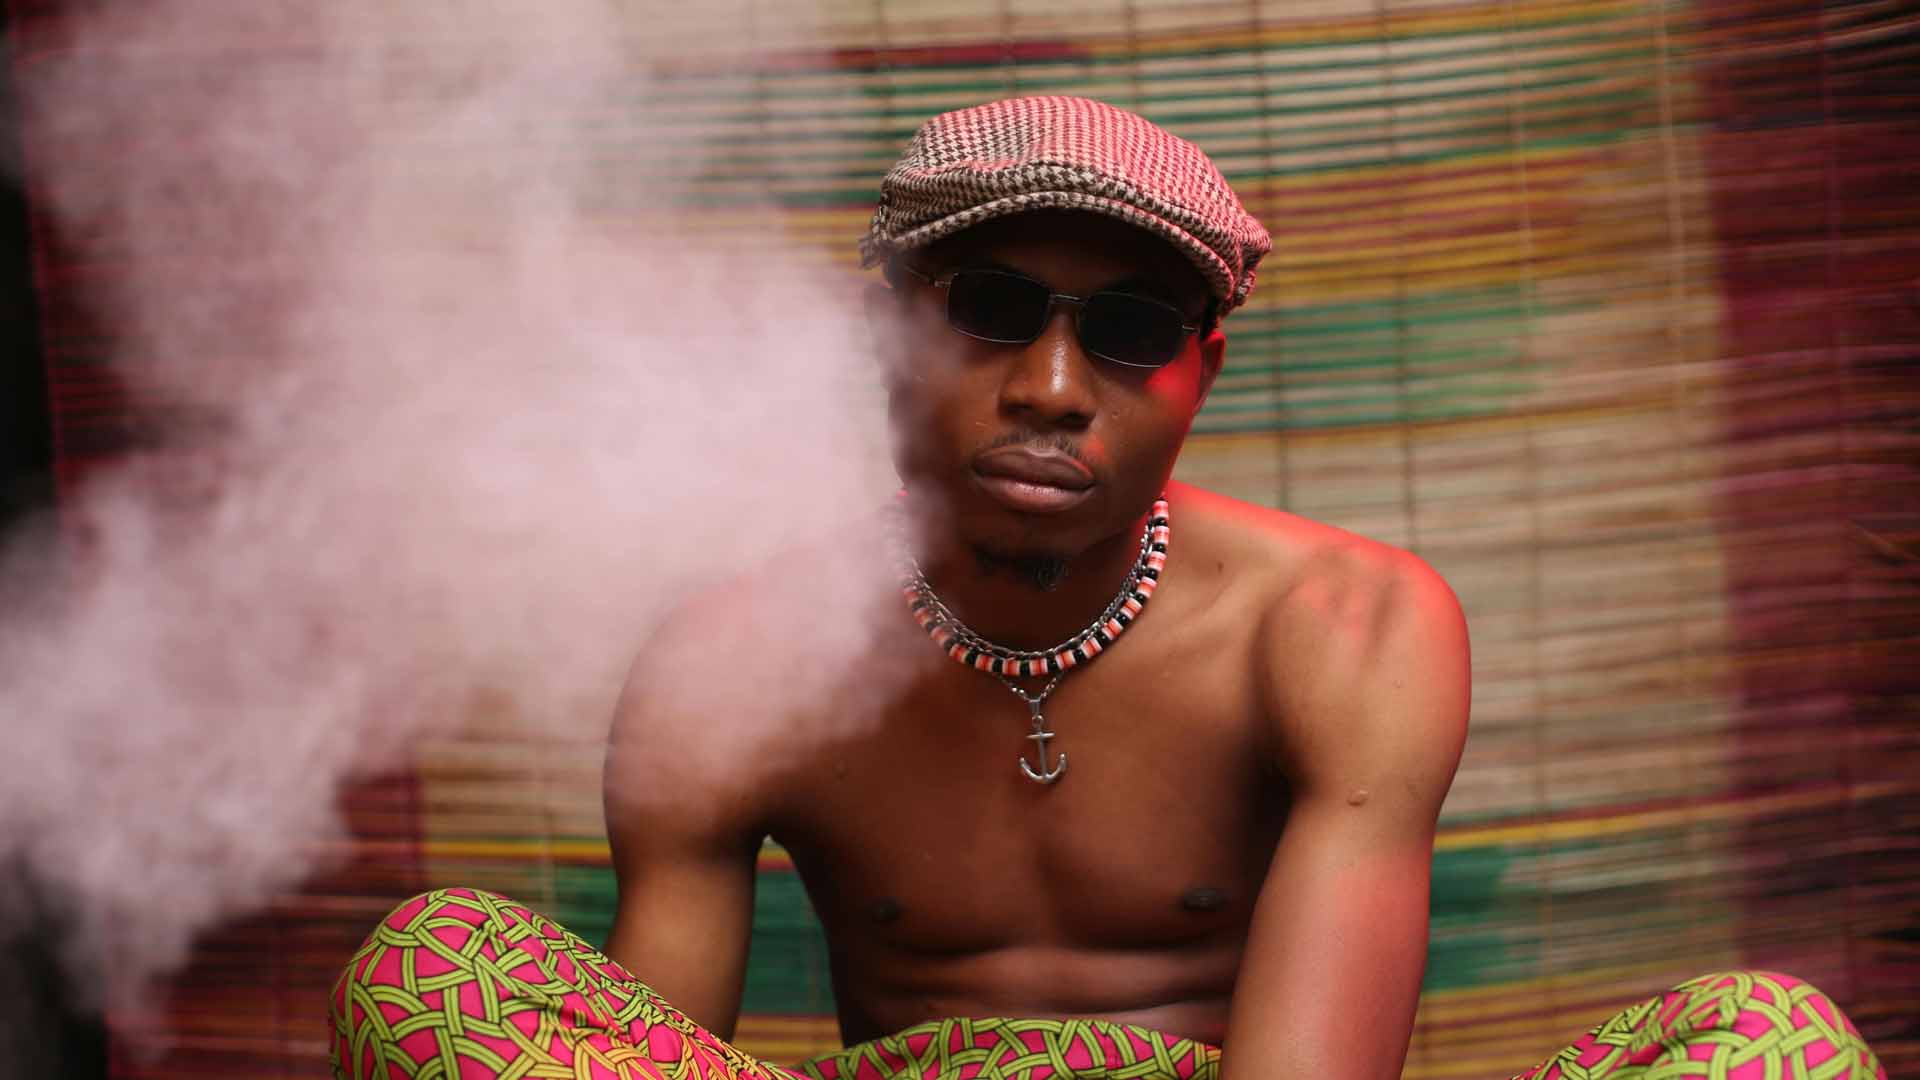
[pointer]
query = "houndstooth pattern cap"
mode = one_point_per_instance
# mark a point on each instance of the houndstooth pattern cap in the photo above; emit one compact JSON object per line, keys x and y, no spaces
{"x":1033,"y":153}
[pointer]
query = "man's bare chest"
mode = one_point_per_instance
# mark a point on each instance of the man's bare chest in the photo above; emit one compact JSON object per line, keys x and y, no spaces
{"x":925,"y":836}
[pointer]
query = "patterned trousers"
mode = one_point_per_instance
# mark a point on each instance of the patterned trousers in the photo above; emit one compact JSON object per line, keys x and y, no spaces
{"x":459,"y":983}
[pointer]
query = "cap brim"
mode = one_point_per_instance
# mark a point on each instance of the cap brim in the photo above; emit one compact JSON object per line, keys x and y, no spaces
{"x":1218,"y":275}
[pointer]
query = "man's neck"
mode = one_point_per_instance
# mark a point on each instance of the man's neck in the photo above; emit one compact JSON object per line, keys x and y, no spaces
{"x":1004,"y":600}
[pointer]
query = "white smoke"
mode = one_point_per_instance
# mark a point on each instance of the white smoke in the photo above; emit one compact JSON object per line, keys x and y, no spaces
{"x":464,"y":405}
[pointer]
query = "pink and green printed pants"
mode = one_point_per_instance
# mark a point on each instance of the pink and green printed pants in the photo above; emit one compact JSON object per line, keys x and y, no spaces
{"x":459,"y":984}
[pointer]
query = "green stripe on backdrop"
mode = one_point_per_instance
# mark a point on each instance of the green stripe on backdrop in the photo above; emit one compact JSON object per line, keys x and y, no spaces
{"x":865,"y":166}
{"x":763,"y":89}
{"x":1400,"y":90}
{"x":1375,"y":33}
{"x":1447,"y":354}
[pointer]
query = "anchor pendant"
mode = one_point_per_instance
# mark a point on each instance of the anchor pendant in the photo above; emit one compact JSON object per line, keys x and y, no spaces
{"x":1040,"y":736}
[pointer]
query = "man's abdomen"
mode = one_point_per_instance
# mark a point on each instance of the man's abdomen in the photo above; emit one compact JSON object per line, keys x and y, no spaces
{"x":1183,"y":990}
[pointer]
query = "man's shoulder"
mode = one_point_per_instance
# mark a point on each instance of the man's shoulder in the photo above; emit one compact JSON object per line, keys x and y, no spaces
{"x":1333,"y":608}
{"x":1360,"y":652}
{"x":1296,"y":564}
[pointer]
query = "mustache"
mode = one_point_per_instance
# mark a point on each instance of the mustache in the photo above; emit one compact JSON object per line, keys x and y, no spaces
{"x":1040,"y":440}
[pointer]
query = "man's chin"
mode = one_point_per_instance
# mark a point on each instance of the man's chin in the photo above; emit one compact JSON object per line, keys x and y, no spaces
{"x":1002,"y":539}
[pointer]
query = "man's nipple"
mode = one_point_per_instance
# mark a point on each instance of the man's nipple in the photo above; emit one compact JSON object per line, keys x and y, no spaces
{"x":1204,"y":899}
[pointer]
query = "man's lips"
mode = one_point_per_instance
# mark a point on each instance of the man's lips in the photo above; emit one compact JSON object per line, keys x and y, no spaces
{"x":1033,"y":481}
{"x":1041,"y":468}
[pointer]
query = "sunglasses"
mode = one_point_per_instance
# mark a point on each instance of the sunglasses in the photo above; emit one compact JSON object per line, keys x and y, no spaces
{"x":1012,"y":309}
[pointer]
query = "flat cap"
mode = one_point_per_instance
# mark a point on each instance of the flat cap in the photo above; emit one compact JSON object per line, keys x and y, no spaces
{"x":1036,"y":153}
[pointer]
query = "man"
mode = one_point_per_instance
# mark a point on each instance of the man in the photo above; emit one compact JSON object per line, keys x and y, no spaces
{"x":1178,"y":793}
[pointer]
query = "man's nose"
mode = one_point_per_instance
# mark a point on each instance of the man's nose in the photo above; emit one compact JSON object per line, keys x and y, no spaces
{"x":1049,"y":381}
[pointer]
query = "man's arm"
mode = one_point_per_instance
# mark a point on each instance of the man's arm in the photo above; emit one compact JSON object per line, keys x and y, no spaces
{"x":685,"y":836}
{"x":1367,"y":684}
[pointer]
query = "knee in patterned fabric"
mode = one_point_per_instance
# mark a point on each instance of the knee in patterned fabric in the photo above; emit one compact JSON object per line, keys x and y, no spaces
{"x":1729,"y":1025}
{"x":462,"y":976}
{"x":473,"y":983}
{"x":397,"y":921}
{"x":1740,"y":1025}
{"x":1744,"y":989}
{"x":446,"y":914}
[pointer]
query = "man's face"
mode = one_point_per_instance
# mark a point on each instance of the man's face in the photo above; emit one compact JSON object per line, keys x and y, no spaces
{"x":1043,"y":449}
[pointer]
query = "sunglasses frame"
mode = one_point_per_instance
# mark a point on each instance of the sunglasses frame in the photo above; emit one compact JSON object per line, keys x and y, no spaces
{"x":1079,"y":303}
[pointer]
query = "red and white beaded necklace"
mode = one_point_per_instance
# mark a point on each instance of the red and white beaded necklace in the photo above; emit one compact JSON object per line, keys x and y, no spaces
{"x":967,"y":647}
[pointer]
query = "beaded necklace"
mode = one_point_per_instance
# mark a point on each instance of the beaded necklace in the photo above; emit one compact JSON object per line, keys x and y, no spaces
{"x":966,"y":646}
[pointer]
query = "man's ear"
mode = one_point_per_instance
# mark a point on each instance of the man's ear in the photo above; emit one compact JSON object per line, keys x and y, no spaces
{"x":1213,"y":356}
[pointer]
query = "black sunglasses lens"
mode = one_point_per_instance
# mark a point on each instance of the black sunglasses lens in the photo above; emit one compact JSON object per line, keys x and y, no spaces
{"x":1131,"y":330}
{"x":994,"y":306}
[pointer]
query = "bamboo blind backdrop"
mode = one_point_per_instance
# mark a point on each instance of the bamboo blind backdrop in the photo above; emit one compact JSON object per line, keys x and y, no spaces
{"x":1608,"y":309}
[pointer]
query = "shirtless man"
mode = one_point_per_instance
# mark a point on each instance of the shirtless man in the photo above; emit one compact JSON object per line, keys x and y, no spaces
{"x":1240,"y":849}
{"x":1195,"y":844}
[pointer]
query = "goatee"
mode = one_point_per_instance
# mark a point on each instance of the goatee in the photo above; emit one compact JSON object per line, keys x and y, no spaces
{"x":1043,"y":573}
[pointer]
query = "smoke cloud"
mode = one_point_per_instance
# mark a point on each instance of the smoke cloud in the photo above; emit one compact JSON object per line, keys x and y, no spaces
{"x":461,"y":403}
